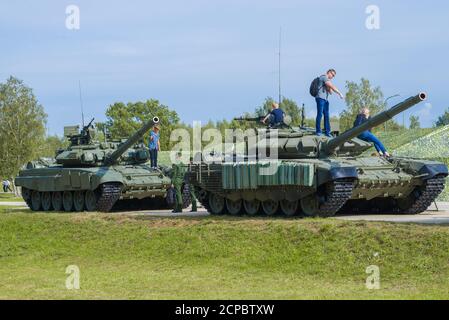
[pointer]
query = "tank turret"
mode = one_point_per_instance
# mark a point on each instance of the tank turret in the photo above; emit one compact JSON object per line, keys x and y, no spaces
{"x":86,"y":150}
{"x":300,"y":143}
{"x":110,"y":159}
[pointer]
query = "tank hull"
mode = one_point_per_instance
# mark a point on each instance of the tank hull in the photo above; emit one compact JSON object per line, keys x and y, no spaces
{"x":317,"y":187}
{"x":117,"y":182}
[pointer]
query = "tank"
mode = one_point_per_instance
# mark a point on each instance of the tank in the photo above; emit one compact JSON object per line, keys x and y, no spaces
{"x":96,"y":176}
{"x":319,"y":176}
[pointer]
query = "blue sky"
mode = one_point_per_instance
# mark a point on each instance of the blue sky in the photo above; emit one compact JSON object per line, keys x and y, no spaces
{"x":216,"y":59}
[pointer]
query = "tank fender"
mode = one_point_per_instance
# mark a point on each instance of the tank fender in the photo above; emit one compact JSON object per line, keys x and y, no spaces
{"x":425,"y":168}
{"x":107,"y":176}
{"x":335,"y":172}
{"x":433,"y":170}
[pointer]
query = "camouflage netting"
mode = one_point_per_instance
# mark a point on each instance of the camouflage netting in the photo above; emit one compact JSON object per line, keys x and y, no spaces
{"x":435,"y":146}
{"x":432,"y":146}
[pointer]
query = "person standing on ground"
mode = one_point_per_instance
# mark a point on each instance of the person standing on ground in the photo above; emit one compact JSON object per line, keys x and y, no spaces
{"x":367,"y":135}
{"x":192,"y":193}
{"x":177,"y":180}
{"x":323,"y":87}
{"x":154,"y":146}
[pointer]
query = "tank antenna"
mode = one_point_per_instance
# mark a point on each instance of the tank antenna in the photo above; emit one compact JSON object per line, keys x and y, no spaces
{"x":81,"y":102}
{"x":280,"y":38}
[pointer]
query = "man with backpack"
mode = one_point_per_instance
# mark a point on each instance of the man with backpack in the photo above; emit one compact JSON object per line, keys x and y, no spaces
{"x":320,"y":89}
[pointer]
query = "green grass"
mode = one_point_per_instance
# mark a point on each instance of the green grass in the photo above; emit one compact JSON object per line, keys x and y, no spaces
{"x":128,"y":257}
{"x":395,"y":139}
{"x":9,"y":197}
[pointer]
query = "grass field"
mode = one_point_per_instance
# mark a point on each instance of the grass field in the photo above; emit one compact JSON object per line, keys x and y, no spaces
{"x":6,"y":197}
{"x":128,"y":257}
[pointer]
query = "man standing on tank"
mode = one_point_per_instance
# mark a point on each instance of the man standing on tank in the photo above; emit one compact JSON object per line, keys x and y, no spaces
{"x":154,"y":146}
{"x":325,"y":87}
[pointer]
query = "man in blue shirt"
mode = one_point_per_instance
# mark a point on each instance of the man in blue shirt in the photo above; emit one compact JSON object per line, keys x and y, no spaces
{"x":154,"y":146}
{"x":276,"y":116}
{"x":325,"y":87}
{"x":367,"y":135}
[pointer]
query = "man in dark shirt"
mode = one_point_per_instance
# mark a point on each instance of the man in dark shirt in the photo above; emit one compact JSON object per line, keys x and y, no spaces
{"x":276,"y":116}
{"x":367,"y":135}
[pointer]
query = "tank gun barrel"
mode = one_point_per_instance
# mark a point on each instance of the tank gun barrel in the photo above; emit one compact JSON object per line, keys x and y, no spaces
{"x":255,"y":119}
{"x":113,"y":157}
{"x":378,"y":119}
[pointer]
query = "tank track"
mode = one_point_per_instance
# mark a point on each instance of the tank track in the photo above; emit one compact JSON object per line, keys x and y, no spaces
{"x":426,"y":195}
{"x":110,"y":193}
{"x":337,"y":193}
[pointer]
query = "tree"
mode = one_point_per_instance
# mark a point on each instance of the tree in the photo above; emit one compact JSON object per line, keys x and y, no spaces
{"x":50,"y":145}
{"x":414,"y":122}
{"x":22,"y":126}
{"x":124,"y":119}
{"x":443,"y":120}
{"x":361,"y":95}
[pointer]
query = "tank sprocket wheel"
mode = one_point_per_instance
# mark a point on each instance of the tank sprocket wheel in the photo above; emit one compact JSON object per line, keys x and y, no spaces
{"x":234,"y":207}
{"x":56,"y":200}
{"x":109,"y":194}
{"x":270,"y":207}
{"x":46,"y":201}
{"x":36,"y":200}
{"x":329,"y":200}
{"x":26,"y":195}
{"x":422,"y":197}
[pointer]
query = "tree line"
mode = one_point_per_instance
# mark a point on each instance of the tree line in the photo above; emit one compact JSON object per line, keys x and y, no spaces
{"x":23,"y":120}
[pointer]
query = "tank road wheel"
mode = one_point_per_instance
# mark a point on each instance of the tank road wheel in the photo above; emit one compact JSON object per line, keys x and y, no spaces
{"x":270,"y":207}
{"x":67,"y":201}
{"x":56,"y":201}
{"x":35,"y":200}
{"x":251,"y":207}
{"x":234,"y":207}
{"x":310,"y":205}
{"x":90,"y":200}
{"x":289,"y":208}
{"x":46,"y":201}
{"x":216,"y":203}
{"x":78,"y":200}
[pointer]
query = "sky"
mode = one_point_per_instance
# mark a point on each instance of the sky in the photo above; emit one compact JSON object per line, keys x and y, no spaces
{"x":214,"y":59}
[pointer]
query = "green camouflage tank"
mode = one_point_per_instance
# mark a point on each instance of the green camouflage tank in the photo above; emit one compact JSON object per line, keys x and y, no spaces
{"x":93,"y":176}
{"x":320,"y":176}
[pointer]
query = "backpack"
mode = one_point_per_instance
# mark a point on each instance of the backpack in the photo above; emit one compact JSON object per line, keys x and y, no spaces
{"x":314,"y":87}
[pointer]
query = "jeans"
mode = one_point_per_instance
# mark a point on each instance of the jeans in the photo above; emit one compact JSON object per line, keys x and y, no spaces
{"x":369,"y":137}
{"x":153,"y":158}
{"x":322,"y":107}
